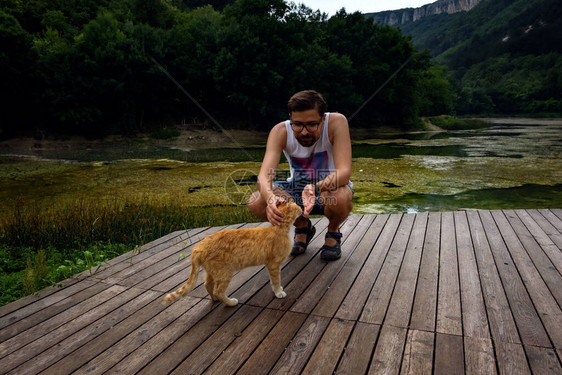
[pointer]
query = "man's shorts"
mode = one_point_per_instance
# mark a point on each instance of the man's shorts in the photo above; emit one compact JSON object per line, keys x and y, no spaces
{"x":295,"y":188}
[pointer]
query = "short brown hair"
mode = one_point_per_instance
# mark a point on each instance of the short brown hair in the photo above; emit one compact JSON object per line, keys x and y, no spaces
{"x":305,"y":100}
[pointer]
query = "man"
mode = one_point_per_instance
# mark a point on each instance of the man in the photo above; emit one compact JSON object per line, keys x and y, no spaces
{"x":318,"y":147}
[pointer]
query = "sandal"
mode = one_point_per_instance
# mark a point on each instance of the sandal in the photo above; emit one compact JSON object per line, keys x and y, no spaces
{"x":331,"y":252}
{"x":300,"y":247}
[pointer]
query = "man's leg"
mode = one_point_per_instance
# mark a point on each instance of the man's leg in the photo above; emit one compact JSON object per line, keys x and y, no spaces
{"x":257,"y":206}
{"x":337,"y":207}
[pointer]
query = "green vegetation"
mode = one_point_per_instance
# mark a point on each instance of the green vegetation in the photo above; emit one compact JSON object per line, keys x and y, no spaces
{"x":505,"y":56}
{"x":454,"y":123}
{"x":98,"y":67}
{"x":59,"y":219}
{"x":165,"y":134}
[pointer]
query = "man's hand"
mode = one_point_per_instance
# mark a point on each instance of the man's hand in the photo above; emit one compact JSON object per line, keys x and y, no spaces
{"x":308,"y":199}
{"x":274,"y":216}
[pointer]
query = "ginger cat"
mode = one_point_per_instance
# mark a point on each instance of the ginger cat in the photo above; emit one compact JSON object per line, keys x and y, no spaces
{"x":224,"y":252}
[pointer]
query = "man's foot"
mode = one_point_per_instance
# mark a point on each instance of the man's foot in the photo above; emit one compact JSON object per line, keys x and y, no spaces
{"x":332,"y":247}
{"x":303,"y":236}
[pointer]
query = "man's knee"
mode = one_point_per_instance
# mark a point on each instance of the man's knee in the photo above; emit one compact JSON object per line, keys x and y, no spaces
{"x":338,"y":200}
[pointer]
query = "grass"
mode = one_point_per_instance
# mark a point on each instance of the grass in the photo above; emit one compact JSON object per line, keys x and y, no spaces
{"x":165,"y":134}
{"x":454,"y":123}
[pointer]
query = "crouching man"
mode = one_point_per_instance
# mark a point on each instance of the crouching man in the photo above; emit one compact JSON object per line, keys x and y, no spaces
{"x":317,"y":145}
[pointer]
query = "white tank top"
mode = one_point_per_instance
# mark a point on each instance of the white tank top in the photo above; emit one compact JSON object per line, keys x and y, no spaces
{"x":309,"y":164}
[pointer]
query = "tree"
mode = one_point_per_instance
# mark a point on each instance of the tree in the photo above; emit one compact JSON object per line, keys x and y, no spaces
{"x":16,"y":74}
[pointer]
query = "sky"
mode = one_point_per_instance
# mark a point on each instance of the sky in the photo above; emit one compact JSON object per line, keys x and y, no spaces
{"x":364,"y":6}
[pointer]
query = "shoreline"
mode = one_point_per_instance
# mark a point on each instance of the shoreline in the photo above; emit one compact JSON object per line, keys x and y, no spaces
{"x":196,"y":139}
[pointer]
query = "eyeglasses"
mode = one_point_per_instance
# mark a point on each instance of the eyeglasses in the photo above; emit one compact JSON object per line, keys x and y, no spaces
{"x":311,"y":127}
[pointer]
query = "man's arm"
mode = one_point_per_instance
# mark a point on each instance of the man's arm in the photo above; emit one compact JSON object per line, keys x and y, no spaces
{"x":341,"y":144}
{"x":275,"y":144}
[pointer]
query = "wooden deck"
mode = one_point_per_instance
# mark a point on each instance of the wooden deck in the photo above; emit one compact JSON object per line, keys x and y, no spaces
{"x":476,"y":292}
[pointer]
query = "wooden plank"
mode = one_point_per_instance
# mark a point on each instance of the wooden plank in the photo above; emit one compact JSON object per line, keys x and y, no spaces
{"x":425,"y":300}
{"x":274,"y":345}
{"x":543,"y":360}
{"x":353,"y":303}
{"x":300,"y":283}
{"x":322,"y":283}
{"x":303,"y":344}
{"x":530,"y":327}
{"x":337,"y":291}
{"x":36,"y":328}
{"x":357,"y":354}
{"x":210,"y":350}
{"x":54,"y":298}
{"x":474,"y":319}
{"x":80,"y":331}
{"x":239,"y":351}
{"x":402,"y":300}
{"x":449,"y":319}
{"x":511,"y":358}
{"x":554,"y":216}
{"x":551,"y":249}
{"x":418,"y":353}
{"x":325,"y":358}
{"x":501,"y":321}
{"x":145,"y":251}
{"x":124,"y":338}
{"x":549,"y":311}
{"x":170,"y":278}
{"x":174,"y":354}
{"x":531,"y":251}
{"x":554,"y":234}
{"x":506,"y":263}
{"x":479,"y":356}
{"x":379,"y":298}
{"x":21,"y":303}
{"x":140,"y":262}
{"x":150,"y":349}
{"x":76,"y":304}
{"x":449,"y":354}
{"x":389,"y":350}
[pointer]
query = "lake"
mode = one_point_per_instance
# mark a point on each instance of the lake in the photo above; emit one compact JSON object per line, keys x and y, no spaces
{"x":515,"y":163}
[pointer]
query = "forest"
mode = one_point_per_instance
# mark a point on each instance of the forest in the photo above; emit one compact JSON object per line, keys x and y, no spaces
{"x":504,"y":56}
{"x":94,"y":68}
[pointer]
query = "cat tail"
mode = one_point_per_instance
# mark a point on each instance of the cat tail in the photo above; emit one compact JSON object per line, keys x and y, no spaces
{"x":189,"y":284}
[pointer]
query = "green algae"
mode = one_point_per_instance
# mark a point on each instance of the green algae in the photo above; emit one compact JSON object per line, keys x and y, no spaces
{"x":386,"y":172}
{"x":383,"y":185}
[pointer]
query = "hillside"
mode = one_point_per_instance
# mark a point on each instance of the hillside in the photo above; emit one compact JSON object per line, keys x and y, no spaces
{"x":407,"y":15}
{"x":505,"y":55}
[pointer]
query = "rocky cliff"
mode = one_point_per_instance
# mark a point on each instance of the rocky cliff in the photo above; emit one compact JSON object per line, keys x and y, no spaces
{"x":403,"y":16}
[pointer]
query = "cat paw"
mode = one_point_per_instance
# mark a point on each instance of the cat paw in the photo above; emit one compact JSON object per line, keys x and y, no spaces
{"x":281,"y":294}
{"x":231,"y":302}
